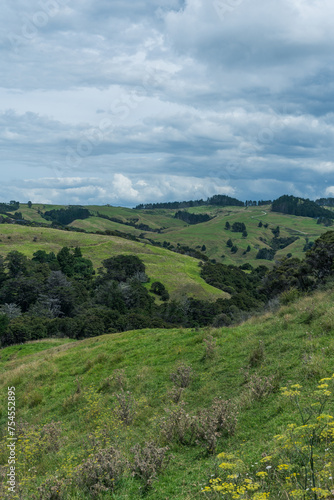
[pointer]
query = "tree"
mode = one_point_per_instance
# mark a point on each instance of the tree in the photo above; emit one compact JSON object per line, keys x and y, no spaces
{"x":29,"y":204}
{"x":227,"y":225}
{"x":260,"y":224}
{"x":229,"y":243}
{"x":159,"y":289}
{"x":122,"y":267}
{"x":66,"y":261}
{"x":17,"y":264}
{"x":203,"y":249}
{"x":321,"y":256}
{"x":238,"y":227}
{"x":276,"y":232}
{"x":244,"y":234}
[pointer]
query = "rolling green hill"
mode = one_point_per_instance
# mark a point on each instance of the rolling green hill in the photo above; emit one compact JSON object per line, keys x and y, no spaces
{"x":212,"y":234}
{"x":70,"y":395}
{"x":179,"y":273}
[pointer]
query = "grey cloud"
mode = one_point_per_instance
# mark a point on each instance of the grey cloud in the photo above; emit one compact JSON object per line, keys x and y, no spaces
{"x":158,"y":89}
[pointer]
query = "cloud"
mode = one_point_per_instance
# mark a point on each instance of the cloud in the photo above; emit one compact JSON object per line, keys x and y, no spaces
{"x":145,"y":97}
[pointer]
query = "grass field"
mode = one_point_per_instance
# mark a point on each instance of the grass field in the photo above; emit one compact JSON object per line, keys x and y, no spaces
{"x":74,"y":384}
{"x":212,"y":233}
{"x":180,"y":274}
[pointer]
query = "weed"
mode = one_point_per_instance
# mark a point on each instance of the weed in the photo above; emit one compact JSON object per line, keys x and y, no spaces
{"x":101,"y":472}
{"x":218,"y":420}
{"x":175,"y":394}
{"x":210,"y":347}
{"x":51,"y":489}
{"x":182,"y":376}
{"x":149,"y":460}
{"x":261,"y":387}
{"x":120,"y":379}
{"x":179,"y":426}
{"x":125,"y":410}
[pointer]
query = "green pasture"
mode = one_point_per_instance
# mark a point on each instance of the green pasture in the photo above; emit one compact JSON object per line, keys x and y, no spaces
{"x":180,"y":274}
{"x":74,"y":384}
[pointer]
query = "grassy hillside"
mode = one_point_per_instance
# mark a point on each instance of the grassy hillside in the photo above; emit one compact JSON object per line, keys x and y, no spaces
{"x":212,"y":233}
{"x":75,"y":385}
{"x":179,"y":273}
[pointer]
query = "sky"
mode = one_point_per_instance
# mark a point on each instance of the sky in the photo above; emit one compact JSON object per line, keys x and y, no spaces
{"x":131,"y":101}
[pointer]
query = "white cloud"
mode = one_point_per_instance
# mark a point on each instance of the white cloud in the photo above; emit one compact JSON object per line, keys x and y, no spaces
{"x":153,"y":98}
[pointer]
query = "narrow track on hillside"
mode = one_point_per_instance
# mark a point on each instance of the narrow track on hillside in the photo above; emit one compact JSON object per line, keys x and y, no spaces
{"x":285,"y":227}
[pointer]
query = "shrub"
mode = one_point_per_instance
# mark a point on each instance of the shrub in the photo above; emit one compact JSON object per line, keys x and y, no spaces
{"x":289,"y":296}
{"x":101,"y":472}
{"x":300,"y":464}
{"x":218,"y":420}
{"x":120,"y":379}
{"x":210,"y":347}
{"x":175,"y":394}
{"x":182,"y":376}
{"x":125,"y":410}
{"x":149,"y":460}
{"x":51,"y":489}
{"x":179,"y":426}
{"x":260,"y":387}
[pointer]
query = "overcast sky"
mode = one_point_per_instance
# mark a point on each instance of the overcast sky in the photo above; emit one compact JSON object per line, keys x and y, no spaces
{"x":131,"y":101}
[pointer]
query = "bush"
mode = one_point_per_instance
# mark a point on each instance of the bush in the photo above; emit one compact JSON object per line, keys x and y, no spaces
{"x":210,"y":347}
{"x":125,"y":410}
{"x":261,"y":387}
{"x":179,"y":426}
{"x":218,"y":420}
{"x":149,"y":460}
{"x":101,"y":472}
{"x":51,"y":489}
{"x":300,"y":464}
{"x":182,"y":376}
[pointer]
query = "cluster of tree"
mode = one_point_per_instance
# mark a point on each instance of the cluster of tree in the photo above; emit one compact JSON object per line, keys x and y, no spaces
{"x":266,"y":253}
{"x":132,"y":223}
{"x":325,"y":220}
{"x":275,"y":244}
{"x":264,"y":202}
{"x":243,"y":288}
{"x":159,"y":289}
{"x":300,"y":206}
{"x":221,"y":200}
{"x":303,"y":275}
{"x":325,"y":202}
{"x":250,"y":203}
{"x":60,"y":295}
{"x":280,"y":243}
{"x":218,"y":199}
{"x":251,"y":291}
{"x":9,"y":207}
{"x":67,"y":215}
{"x":238,"y":227}
{"x":190,"y":218}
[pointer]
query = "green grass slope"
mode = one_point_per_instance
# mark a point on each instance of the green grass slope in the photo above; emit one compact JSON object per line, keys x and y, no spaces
{"x":74,"y":384}
{"x":212,"y":233}
{"x":180,"y":274}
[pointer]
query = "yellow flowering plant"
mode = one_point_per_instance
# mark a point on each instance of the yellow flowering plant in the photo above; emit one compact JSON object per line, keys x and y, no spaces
{"x":301,"y":464}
